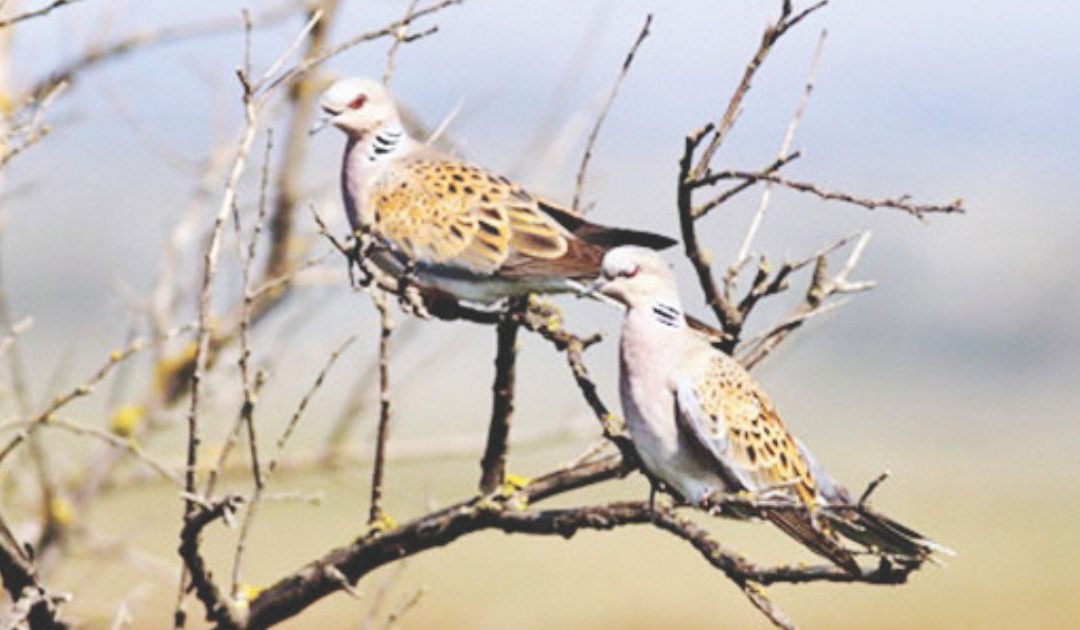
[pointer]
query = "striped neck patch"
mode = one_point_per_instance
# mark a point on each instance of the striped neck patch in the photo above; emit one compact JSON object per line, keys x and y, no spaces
{"x":667,"y":314}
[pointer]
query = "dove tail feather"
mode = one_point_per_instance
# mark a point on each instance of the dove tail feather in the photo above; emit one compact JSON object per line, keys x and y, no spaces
{"x":609,"y":237}
{"x":881,"y":533}
{"x":602,"y":235}
{"x":798,"y":526}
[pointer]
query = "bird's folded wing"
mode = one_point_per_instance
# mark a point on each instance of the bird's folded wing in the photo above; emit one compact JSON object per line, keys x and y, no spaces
{"x":439,"y":211}
{"x":725,"y":410}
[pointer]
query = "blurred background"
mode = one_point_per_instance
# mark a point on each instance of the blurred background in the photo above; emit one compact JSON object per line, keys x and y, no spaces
{"x":958,"y":373}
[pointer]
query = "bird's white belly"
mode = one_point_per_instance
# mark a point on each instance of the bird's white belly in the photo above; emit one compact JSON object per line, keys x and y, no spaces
{"x":479,"y":289}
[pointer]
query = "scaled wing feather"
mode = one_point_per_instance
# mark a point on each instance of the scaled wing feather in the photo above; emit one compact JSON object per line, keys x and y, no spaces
{"x":438,"y":211}
{"x":738,"y":424}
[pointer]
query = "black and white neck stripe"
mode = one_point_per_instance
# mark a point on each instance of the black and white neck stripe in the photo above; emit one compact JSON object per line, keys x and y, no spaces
{"x":667,"y":314}
{"x":384,"y":143}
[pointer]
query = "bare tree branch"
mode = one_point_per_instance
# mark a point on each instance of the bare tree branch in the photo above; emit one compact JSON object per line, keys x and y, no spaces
{"x":301,"y":101}
{"x":31,"y":601}
{"x":386,"y":328}
{"x":195,"y":521}
{"x":45,"y":10}
{"x":83,"y":389}
{"x":772,"y":34}
{"x":493,"y":463}
{"x":785,"y":149}
{"x":142,"y":40}
{"x":261,"y":478}
{"x":822,"y":287}
{"x":400,"y":37}
{"x":390,"y":30}
{"x":903,"y":202}
{"x":579,"y":184}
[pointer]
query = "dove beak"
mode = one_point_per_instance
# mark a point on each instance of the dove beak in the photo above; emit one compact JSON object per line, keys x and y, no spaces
{"x":593,"y":288}
{"x":320,"y":124}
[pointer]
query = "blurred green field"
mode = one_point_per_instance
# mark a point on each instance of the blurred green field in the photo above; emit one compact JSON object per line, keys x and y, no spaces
{"x":1018,"y":565}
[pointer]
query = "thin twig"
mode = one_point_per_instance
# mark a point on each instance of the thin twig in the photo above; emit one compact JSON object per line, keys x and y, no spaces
{"x":785,"y":148}
{"x":83,"y":389}
{"x":579,"y":184}
{"x":45,"y":10}
{"x":282,"y":442}
{"x":301,"y":100}
{"x":386,"y":329}
{"x":871,"y":487}
{"x":115,"y":441}
{"x":34,"y":130}
{"x":444,"y":124}
{"x":387,"y":31}
{"x":772,"y":34}
{"x":400,"y":37}
{"x":814,"y":303}
{"x":210,"y":258}
{"x":141,"y":40}
{"x":14,"y":331}
{"x":247,"y":258}
{"x":408,"y":603}
{"x":902,"y":202}
{"x":294,"y":420}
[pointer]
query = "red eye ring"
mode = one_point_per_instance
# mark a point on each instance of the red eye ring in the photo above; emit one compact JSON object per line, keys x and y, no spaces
{"x":630,"y":273}
{"x":358,"y":102}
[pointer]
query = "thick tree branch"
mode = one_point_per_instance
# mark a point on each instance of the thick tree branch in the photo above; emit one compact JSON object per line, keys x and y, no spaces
{"x":30,"y":599}
{"x":196,"y":520}
{"x":493,"y":463}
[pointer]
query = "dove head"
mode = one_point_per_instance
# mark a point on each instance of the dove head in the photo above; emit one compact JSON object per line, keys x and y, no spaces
{"x":358,"y":106}
{"x":637,"y":276}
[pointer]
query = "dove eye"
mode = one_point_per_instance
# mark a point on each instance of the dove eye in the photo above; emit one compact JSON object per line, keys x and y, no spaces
{"x":631,"y":272}
{"x":358,"y":102}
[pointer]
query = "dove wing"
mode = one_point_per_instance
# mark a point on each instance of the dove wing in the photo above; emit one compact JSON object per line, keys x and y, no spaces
{"x":728,"y":414}
{"x":439,"y":211}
